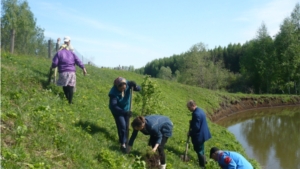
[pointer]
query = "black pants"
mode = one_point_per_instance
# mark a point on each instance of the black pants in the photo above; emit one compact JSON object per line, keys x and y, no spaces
{"x":160,"y":148}
{"x":69,"y":90}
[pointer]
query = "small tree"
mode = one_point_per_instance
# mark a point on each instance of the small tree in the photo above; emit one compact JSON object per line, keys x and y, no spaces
{"x":149,"y":100}
{"x":165,"y":73}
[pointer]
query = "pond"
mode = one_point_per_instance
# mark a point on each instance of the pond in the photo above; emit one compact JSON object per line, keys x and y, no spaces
{"x":271,"y":135}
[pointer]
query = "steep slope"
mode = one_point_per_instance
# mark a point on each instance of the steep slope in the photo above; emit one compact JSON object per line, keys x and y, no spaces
{"x":40,"y":130}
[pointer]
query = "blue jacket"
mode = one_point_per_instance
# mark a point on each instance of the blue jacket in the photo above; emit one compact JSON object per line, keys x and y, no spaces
{"x":232,"y":160}
{"x":199,"y":131}
{"x":157,"y":126}
{"x":119,"y":105}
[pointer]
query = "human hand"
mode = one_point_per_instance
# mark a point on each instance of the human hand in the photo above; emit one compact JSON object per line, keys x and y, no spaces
{"x":133,"y":84}
{"x":84,"y":71}
{"x":129,"y":113}
{"x":155,"y":147}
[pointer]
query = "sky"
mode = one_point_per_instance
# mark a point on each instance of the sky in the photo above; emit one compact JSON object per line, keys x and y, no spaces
{"x":133,"y":33}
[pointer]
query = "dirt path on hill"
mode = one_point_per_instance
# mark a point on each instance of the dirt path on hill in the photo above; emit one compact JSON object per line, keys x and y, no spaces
{"x":234,"y":107}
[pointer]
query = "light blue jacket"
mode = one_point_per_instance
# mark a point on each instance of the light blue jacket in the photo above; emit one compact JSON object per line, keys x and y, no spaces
{"x":232,"y":160}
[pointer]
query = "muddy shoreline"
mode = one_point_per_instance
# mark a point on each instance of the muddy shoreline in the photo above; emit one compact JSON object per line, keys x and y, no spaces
{"x":238,"y":106}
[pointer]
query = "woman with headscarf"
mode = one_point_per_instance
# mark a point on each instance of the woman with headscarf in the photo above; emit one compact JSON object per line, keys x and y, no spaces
{"x":119,"y":105}
{"x":66,"y":60}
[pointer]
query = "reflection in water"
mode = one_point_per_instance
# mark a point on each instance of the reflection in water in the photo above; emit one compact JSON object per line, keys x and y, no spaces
{"x":271,"y":136}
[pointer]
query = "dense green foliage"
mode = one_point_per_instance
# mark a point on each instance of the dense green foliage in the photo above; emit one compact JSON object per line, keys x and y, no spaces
{"x":29,"y":38}
{"x":261,"y":65}
{"x":193,"y":67}
{"x":39,"y":129}
{"x":260,"y":52}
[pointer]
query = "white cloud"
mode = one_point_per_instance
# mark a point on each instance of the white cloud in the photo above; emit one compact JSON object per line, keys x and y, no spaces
{"x":67,"y":14}
{"x":93,"y":23}
{"x":122,"y":47}
{"x":271,"y":14}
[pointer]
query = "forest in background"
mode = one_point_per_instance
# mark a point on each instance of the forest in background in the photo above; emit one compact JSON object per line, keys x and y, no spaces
{"x":262,"y":65}
{"x":18,"y":26}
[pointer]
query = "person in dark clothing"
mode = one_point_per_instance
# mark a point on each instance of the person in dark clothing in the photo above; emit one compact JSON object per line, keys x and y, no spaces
{"x":199,"y":131}
{"x":119,"y":105}
{"x":159,"y":128}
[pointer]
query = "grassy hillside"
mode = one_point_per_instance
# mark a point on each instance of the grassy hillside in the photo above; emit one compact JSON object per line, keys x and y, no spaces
{"x":39,"y":129}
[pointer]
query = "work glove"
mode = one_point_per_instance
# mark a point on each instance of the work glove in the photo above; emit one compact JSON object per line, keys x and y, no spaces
{"x":132,"y":84}
{"x":128,"y":113}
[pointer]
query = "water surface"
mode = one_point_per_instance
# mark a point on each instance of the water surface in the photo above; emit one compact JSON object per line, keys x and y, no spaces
{"x":271,"y":136}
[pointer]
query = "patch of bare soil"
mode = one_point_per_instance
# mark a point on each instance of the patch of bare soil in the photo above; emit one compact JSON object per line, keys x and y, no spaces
{"x":152,"y":160}
{"x":233,"y":107}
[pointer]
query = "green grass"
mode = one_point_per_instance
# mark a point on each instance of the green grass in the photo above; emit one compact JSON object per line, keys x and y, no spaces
{"x":39,"y":129}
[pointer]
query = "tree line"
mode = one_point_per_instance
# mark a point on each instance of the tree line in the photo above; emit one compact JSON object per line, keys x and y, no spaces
{"x":19,"y":32}
{"x":263,"y":64}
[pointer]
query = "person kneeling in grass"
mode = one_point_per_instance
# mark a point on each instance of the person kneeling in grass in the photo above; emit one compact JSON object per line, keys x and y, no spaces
{"x":229,"y":159}
{"x":158,"y":127}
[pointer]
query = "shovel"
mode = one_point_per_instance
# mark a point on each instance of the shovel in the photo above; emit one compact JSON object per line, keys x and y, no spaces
{"x":130,"y":108}
{"x":55,"y":73}
{"x":185,"y":157}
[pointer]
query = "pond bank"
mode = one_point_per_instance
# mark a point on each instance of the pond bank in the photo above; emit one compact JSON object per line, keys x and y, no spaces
{"x":247,"y":103}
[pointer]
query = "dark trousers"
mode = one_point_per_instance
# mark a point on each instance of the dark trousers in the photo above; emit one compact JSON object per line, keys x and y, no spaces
{"x":160,"y":148}
{"x":199,"y":149}
{"x":121,"y":122}
{"x":69,"y":90}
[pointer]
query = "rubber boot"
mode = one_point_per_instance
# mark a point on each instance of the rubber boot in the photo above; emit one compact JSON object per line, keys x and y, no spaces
{"x":163,"y":166}
{"x":202,"y":160}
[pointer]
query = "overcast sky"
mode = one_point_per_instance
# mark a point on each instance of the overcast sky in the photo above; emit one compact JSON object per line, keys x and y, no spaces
{"x":112,"y":33}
